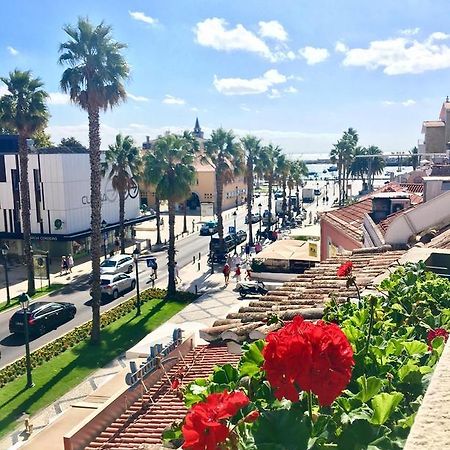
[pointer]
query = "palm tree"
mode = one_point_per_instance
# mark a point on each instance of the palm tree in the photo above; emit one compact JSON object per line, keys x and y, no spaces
{"x":266,"y":167}
{"x":359,"y":167}
{"x":375,"y":164}
{"x":283,"y":169}
{"x":122,"y":161}
{"x":414,"y":152}
{"x":251,"y":146}
{"x":24,"y":109}
{"x":169,"y":167}
{"x":226,"y":156}
{"x":94,"y":81}
{"x":298,"y":171}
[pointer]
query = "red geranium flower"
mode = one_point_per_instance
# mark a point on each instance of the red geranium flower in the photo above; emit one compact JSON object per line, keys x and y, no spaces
{"x":312,"y":357}
{"x":435,"y":333}
{"x":204,"y":426}
{"x":345,"y":270}
{"x":252,"y":416}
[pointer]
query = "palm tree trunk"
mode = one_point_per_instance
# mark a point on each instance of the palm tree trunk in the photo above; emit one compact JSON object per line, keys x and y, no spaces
{"x":269,"y":200}
{"x":96,"y":218}
{"x":122,"y":221}
{"x":284,"y":204}
{"x":249,"y":199}
{"x":185,"y":230}
{"x":25,"y":212}
{"x":171,"y":288}
{"x":158,"y":220}
{"x":297,"y":194}
{"x":289,"y":203}
{"x":219,"y":201}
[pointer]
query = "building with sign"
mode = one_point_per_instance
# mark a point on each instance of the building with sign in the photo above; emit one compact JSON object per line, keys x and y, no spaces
{"x":59,"y":180}
{"x":204,"y":188}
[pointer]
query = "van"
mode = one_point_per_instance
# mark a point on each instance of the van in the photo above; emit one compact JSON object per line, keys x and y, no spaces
{"x":228,"y":244}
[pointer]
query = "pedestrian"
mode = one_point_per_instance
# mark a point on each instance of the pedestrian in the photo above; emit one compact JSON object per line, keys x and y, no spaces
{"x":64,"y":266}
{"x":237,"y":273}
{"x":248,"y":275}
{"x":247,"y":250}
{"x":161,"y":222}
{"x":70,"y":263}
{"x":258,"y":247}
{"x":226,"y":273}
{"x":177,"y":274}
{"x":116,"y":245}
{"x":193,"y":225}
{"x":155,"y":269}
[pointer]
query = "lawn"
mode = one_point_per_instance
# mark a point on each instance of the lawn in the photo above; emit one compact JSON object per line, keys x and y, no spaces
{"x":40,"y":292}
{"x":62,"y":373}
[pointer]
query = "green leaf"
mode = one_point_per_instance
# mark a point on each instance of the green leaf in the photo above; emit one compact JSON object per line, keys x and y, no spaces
{"x":281,"y":429}
{"x":415,"y":347}
{"x":252,"y":359}
{"x":225,"y":374}
{"x":384,"y":405}
{"x":369,"y":387}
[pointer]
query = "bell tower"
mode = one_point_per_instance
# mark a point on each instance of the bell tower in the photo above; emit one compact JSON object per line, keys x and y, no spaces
{"x":198,"y":133}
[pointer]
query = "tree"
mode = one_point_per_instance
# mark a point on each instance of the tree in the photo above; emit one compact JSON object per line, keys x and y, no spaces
{"x":375,"y":164}
{"x":94,"y":81}
{"x":359,"y":167}
{"x":251,"y":146}
{"x":24,"y":109}
{"x":169,"y":167}
{"x":414,"y":152}
{"x":298,"y":171}
{"x":123,"y":163}
{"x":266,"y":166}
{"x":70,"y":142}
{"x":283,"y":169}
{"x":42,"y":139}
{"x":222,"y":151}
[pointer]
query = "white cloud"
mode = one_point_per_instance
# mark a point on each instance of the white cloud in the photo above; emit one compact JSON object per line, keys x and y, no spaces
{"x":273,"y":30}
{"x":409,"y":102}
{"x":171,"y":100}
{"x":58,"y":98}
{"x":244,"y":107}
{"x":410,"y":31}
{"x":13,"y":51}
{"x":291,"y":90}
{"x":3,"y":90}
{"x":249,"y":86}
{"x":340,"y":47}
{"x":402,"y":55}
{"x":140,"y":16}
{"x":314,"y":55}
{"x":195,"y":109}
{"x":137,"y":98}
{"x":274,"y":93}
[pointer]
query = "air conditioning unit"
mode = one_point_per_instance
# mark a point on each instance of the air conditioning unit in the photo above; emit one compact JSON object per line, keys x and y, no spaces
{"x":399,"y":203}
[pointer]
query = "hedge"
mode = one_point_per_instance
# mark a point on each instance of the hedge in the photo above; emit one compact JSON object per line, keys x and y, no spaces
{"x":81,"y":333}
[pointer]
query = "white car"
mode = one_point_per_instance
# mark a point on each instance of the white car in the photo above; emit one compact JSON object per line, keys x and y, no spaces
{"x":117,"y":264}
{"x":115,"y":285}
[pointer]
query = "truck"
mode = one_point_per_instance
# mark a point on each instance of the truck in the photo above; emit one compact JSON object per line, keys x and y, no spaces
{"x":307,"y":195}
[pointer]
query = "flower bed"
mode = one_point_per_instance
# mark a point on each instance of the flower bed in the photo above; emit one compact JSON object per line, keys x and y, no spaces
{"x":81,"y":333}
{"x":351,"y":382}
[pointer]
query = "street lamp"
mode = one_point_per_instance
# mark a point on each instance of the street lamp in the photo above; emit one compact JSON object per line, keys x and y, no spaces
{"x":138,"y":296}
{"x":211,"y":255}
{"x":25,"y":302}
{"x":5,"y":249}
{"x":237,"y":195}
{"x":105,"y":235}
{"x":260,"y":220}
{"x":235,"y":233}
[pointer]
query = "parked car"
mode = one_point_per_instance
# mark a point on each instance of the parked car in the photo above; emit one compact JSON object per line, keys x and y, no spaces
{"x":217,"y":248}
{"x":265,"y":218}
{"x":115,"y":285}
{"x":208,"y":228}
{"x":41,"y":317}
{"x":240,"y":237}
{"x":278,"y":195}
{"x":255,"y":218}
{"x":117,"y":264}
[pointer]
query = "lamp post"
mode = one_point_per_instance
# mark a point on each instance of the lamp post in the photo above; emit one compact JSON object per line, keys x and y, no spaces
{"x":25,"y":302}
{"x":5,"y":249}
{"x":237,"y":195}
{"x":260,"y":220}
{"x":211,"y":255}
{"x":105,"y":235}
{"x":235,"y":233}
{"x":138,"y":296}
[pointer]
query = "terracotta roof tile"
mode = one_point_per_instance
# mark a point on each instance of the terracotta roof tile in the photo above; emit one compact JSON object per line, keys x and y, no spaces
{"x":305,"y":294}
{"x":441,"y":241}
{"x":160,"y":407}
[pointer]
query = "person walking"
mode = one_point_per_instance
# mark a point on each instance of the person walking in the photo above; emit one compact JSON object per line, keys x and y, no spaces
{"x":64,"y":266}
{"x":155,"y":269}
{"x":237,"y":273}
{"x":177,"y":274}
{"x":226,"y":273}
{"x":247,"y":250}
{"x":70,"y":263}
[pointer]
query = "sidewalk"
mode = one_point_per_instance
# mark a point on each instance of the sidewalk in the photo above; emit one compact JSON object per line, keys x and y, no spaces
{"x":216,"y":302}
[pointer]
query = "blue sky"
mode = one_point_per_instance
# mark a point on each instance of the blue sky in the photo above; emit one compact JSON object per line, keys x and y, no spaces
{"x":296,"y":73}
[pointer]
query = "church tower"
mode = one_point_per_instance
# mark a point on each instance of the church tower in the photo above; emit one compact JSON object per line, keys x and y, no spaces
{"x":198,"y":133}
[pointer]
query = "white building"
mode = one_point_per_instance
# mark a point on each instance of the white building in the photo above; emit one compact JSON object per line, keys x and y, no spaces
{"x":59,"y":180}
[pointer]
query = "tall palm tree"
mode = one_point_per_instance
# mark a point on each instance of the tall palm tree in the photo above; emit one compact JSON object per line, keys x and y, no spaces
{"x":122,"y":162}
{"x":251,"y":146}
{"x":375,"y":164}
{"x":225,"y":154}
{"x":24,"y":109}
{"x":266,"y":167}
{"x":359,"y":166}
{"x":94,"y":81}
{"x":169,"y":167}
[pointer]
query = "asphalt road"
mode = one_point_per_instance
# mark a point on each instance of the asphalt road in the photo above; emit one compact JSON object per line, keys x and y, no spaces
{"x":12,"y":346}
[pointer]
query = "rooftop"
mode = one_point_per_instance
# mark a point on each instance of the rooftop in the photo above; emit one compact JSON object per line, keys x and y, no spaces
{"x":433,"y":123}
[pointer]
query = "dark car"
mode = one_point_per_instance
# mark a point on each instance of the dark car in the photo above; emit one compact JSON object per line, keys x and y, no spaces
{"x":240,"y":236}
{"x":255,"y":218}
{"x":208,"y":228}
{"x":42,"y":316}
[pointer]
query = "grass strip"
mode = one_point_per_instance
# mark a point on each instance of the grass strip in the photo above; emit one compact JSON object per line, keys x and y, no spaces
{"x":41,"y":292}
{"x":61,"y":374}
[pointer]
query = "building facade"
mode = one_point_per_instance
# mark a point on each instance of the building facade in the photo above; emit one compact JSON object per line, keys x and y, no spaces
{"x":203,"y":190}
{"x":59,"y":180}
{"x":437,"y":132}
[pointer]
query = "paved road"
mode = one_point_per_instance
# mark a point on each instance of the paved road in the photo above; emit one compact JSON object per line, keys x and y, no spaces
{"x":12,"y":346}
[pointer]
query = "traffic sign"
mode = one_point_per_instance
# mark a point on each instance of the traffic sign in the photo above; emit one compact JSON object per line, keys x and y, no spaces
{"x":231,"y":230}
